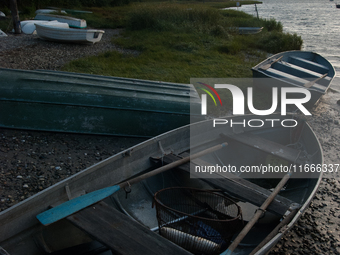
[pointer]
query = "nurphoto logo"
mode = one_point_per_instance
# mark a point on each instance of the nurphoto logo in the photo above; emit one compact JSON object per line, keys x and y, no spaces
{"x":282,"y":99}
{"x":238,"y":99}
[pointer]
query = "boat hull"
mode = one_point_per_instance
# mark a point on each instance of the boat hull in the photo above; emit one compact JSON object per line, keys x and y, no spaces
{"x":295,"y":69}
{"x":28,"y":26}
{"x":68,"y":102}
{"x":249,"y":30}
{"x":73,"y":22}
{"x":70,"y":35}
{"x":19,"y":222}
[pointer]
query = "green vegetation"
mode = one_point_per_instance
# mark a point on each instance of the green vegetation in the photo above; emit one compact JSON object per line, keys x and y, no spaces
{"x":173,"y":42}
{"x":176,"y":41}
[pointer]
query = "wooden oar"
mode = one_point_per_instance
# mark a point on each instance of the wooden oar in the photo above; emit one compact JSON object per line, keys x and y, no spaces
{"x":63,"y":210}
{"x":276,"y":230}
{"x":256,"y":216}
{"x":265,"y":67}
{"x":311,"y":83}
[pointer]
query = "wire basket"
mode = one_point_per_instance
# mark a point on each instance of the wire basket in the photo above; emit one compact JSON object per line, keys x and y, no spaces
{"x":200,"y":221}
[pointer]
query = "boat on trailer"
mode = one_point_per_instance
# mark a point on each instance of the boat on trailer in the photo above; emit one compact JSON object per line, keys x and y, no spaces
{"x":93,"y":104}
{"x":125,"y":222}
{"x":298,"y":69}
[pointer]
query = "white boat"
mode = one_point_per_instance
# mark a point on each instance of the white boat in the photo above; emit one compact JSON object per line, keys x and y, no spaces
{"x":72,"y":22}
{"x":28,"y":26}
{"x":60,"y":34}
{"x":2,"y":33}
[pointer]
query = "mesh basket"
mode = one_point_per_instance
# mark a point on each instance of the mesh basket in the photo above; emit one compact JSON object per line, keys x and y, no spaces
{"x":199,"y":221}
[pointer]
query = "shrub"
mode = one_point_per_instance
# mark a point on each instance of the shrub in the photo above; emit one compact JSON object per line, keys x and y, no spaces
{"x":273,"y":25}
{"x":275,"y":42}
{"x":164,"y":17}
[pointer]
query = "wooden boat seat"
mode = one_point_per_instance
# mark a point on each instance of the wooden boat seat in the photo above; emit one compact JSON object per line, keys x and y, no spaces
{"x":316,"y":67}
{"x":235,"y":186}
{"x":301,"y":72}
{"x":120,"y":233}
{"x":293,"y":79}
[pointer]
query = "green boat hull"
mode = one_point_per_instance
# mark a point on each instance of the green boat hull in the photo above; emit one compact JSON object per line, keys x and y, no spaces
{"x":92,"y":104}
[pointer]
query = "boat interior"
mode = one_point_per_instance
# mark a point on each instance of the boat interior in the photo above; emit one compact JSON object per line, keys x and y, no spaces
{"x":302,"y":69}
{"x":137,"y":203}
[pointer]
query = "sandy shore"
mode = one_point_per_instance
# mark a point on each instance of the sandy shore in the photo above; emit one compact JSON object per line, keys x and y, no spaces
{"x":31,"y":161}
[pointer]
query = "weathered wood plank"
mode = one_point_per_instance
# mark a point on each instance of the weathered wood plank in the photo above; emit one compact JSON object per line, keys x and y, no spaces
{"x":237,"y":187}
{"x":120,"y":233}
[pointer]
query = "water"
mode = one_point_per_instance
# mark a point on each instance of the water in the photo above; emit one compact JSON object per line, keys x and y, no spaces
{"x":316,"y":21}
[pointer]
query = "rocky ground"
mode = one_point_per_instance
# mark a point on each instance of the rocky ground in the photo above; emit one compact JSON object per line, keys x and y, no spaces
{"x":31,"y":161}
{"x":318,"y":230}
{"x":29,"y":52}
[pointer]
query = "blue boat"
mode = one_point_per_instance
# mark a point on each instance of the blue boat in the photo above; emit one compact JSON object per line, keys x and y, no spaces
{"x":301,"y":69}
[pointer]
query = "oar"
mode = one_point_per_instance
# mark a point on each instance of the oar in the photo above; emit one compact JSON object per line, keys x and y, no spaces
{"x":256,"y":216}
{"x":311,"y":83}
{"x":63,"y":210}
{"x":276,"y":230}
{"x":265,"y":67}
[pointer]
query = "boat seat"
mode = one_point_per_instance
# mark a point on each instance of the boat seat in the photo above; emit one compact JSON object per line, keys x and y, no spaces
{"x":293,"y":79}
{"x":120,"y":233}
{"x":287,"y":153}
{"x":316,"y":67}
{"x":301,"y":72}
{"x":234,"y":185}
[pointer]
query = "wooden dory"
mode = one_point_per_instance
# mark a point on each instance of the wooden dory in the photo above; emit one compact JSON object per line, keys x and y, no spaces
{"x":93,"y":104}
{"x":302,"y":69}
{"x":22,"y":233}
{"x":70,"y":35}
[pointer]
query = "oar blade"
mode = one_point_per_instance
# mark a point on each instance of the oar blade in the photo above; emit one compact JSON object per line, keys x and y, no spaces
{"x":267,"y":66}
{"x":311,"y":83}
{"x":65,"y":209}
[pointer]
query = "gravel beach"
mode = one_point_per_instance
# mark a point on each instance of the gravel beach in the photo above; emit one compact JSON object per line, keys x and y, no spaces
{"x":30,"y":52}
{"x":31,"y":161}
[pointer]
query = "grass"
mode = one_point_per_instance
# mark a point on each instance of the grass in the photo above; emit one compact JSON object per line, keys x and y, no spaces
{"x":176,"y":41}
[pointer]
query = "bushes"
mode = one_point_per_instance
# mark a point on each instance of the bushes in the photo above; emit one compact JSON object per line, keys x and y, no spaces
{"x":275,"y":42}
{"x":273,"y":25}
{"x":165,"y":17}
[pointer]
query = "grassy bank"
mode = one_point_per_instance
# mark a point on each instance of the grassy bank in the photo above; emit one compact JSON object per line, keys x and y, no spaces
{"x":176,"y":41}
